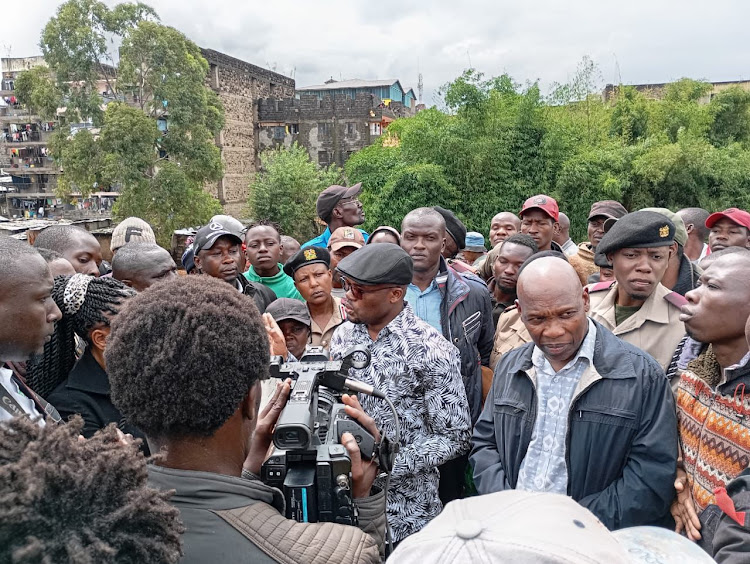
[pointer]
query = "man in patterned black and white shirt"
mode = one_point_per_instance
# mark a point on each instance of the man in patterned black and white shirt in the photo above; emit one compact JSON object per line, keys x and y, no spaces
{"x":417,"y":369}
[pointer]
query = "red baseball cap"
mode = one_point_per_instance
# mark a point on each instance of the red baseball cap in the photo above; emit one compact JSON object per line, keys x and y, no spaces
{"x":545,"y":203}
{"x":738,"y":216}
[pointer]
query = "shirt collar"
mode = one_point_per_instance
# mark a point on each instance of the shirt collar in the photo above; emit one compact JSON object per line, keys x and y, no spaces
{"x":433,"y":286}
{"x":586,"y":351}
{"x":730,"y":370}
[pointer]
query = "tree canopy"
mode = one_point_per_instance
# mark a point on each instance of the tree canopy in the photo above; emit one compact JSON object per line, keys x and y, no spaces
{"x":499,"y":142}
{"x":152,"y":118}
{"x":285,"y":190}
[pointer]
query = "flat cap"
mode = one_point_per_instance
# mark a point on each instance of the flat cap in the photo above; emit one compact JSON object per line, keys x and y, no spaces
{"x":385,"y":263}
{"x":640,"y":229}
{"x":680,"y":231}
{"x":303,"y":257}
{"x":454,"y":226}
{"x":607,"y":208}
{"x":287,"y":308}
{"x":330,"y":197}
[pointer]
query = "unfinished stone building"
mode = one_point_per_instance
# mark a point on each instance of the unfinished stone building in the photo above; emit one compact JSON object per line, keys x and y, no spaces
{"x":240,"y":85}
{"x":331,"y":128}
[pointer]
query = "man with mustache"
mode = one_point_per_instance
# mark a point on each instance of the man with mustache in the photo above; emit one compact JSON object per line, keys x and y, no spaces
{"x":637,"y":308}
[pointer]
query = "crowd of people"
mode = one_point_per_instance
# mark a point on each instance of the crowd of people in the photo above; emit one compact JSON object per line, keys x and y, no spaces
{"x":556,"y":402}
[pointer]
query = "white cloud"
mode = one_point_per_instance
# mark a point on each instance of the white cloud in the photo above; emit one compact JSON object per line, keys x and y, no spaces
{"x":653,"y":41}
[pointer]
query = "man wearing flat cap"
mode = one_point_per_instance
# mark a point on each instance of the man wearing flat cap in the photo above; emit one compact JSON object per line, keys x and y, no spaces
{"x":637,"y":307}
{"x":338,"y":206}
{"x":583,"y":260}
{"x":416,"y":368}
{"x":310,"y":268}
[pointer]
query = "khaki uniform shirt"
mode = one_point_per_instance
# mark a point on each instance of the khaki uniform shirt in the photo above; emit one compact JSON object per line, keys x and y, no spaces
{"x":321,"y":337}
{"x":655,"y":328}
{"x":510,"y":334}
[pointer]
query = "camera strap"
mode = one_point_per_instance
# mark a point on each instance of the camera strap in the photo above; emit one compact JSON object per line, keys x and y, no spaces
{"x":386,"y":452}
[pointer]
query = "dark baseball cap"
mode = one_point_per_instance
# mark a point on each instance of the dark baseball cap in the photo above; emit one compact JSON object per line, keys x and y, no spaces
{"x":287,"y":308}
{"x":371,"y":265}
{"x":542,"y":202}
{"x":607,"y":208}
{"x":330,"y":197}
{"x":209,"y":234}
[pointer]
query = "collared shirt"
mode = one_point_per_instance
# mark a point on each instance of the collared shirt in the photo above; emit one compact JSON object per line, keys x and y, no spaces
{"x":569,"y":248}
{"x":543,"y":468}
{"x":321,"y":336}
{"x":20,"y":398}
{"x":426,"y":304}
{"x":322,"y":239}
{"x":419,"y":371}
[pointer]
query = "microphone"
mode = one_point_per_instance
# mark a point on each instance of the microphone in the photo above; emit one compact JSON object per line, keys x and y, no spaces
{"x":339,"y":382}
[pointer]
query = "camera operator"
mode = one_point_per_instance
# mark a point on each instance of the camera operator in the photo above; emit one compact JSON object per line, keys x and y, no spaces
{"x":185,"y":360}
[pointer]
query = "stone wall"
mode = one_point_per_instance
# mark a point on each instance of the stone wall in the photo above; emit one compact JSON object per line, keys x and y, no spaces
{"x":239,"y":86}
{"x":330,"y":129}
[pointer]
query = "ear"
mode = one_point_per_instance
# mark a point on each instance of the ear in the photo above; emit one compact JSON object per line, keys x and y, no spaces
{"x":673,"y":249}
{"x":518,"y":306}
{"x":397,"y":295}
{"x":127,"y":282}
{"x":251,"y":404}
{"x":586,"y":299}
{"x":556,"y":228}
{"x":337,"y":212}
{"x":442,"y":247}
{"x":99,"y":336}
{"x":689,"y":228}
{"x":197,"y":262}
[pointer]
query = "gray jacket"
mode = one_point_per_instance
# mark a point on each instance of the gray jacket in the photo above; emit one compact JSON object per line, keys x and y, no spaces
{"x":229,"y":519}
{"x":621,"y":445}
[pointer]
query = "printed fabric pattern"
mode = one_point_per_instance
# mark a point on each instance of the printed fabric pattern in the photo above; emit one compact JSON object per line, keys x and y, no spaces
{"x":419,"y":372}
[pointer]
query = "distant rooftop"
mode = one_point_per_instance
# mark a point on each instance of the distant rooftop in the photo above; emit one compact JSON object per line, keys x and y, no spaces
{"x":353,"y":83}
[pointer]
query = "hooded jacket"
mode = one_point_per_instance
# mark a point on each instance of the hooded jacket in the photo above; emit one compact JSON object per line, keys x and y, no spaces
{"x":466,"y":321}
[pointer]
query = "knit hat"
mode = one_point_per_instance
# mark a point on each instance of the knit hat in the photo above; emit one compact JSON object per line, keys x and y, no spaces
{"x":129,"y":230}
{"x":531,"y":527}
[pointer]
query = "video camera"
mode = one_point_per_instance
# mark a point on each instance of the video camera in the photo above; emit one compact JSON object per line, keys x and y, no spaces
{"x":309,"y":464}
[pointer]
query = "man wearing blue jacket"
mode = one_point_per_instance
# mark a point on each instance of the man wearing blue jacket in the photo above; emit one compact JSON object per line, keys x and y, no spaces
{"x":577,"y":412}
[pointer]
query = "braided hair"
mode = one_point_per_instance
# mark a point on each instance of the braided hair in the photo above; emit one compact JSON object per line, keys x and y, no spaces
{"x":66,"y":500}
{"x":86,"y":303}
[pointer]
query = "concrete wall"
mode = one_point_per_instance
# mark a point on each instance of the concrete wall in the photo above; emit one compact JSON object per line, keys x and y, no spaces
{"x":239,"y":86}
{"x":330,"y":129}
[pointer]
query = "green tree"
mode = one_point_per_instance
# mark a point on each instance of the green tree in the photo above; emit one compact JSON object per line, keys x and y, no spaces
{"x":731,"y":117}
{"x":286,"y":188}
{"x":160,"y":75}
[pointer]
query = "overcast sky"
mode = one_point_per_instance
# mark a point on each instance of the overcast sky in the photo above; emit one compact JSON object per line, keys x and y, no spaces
{"x":312,"y":40}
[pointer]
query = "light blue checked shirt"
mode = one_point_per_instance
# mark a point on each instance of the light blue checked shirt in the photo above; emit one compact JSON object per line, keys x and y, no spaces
{"x":543,"y":469}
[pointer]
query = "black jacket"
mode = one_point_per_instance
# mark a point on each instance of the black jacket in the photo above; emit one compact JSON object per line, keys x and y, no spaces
{"x":261,"y":295}
{"x":86,"y":392}
{"x":725,"y":538}
{"x":466,"y":319}
{"x":621,"y":445}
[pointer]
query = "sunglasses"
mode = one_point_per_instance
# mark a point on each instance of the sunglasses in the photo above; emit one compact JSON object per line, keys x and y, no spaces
{"x":358,"y":291}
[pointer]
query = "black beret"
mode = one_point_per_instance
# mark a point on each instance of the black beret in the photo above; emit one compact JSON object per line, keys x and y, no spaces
{"x":308,"y":255}
{"x":329,"y":199}
{"x":640,"y":229}
{"x":453,"y":226}
{"x":384,"y":263}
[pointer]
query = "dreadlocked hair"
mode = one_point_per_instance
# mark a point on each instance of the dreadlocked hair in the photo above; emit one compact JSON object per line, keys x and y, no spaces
{"x":65,"y":500}
{"x":97,"y":301}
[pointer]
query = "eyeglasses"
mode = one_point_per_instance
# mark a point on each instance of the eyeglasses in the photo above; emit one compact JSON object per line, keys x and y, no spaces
{"x":358,"y":291}
{"x":352,"y":200}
